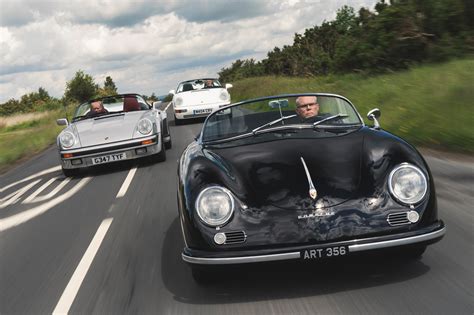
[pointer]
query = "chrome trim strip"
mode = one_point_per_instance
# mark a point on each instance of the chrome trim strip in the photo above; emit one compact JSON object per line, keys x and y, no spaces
{"x":239,"y":260}
{"x":312,"y":191}
{"x":111,"y":152}
{"x":296,"y":255}
{"x":398,"y":242}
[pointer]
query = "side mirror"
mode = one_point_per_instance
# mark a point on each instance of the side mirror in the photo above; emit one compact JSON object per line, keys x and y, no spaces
{"x":62,"y":122}
{"x":228,"y":86}
{"x":374,"y":114}
{"x":173,"y":92}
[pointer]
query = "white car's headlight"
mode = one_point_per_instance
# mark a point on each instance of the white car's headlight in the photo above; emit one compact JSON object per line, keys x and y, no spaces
{"x":144,"y":126}
{"x":224,"y":95}
{"x":215,"y":205}
{"x":178,"y":101}
{"x":407,"y":183}
{"x":67,"y":139}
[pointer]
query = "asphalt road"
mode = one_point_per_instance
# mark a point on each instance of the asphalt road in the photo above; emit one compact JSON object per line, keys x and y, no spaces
{"x":77,"y":247}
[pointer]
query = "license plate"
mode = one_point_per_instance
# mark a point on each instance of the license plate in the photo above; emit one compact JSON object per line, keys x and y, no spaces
{"x":202,"y":111}
{"x":108,"y":158}
{"x":324,"y":252}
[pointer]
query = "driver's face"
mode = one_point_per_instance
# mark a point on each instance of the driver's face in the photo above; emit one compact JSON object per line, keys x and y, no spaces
{"x":96,"y":107}
{"x":307,"y":106}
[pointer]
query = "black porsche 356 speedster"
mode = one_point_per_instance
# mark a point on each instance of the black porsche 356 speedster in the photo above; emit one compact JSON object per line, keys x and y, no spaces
{"x":300,"y":176}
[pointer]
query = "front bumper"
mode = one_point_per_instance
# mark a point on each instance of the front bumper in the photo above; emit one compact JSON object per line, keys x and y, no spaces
{"x":424,"y":236}
{"x":194,"y":111}
{"x":132,"y":148}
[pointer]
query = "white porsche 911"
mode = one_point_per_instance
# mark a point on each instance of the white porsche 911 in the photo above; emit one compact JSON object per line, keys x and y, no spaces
{"x":198,"y":98}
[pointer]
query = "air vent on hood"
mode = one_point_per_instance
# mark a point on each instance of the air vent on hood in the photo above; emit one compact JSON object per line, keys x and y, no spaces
{"x":235,"y":237}
{"x":398,"y":218}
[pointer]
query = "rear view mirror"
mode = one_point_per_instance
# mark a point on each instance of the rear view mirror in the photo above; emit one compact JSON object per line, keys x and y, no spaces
{"x":278,"y":104}
{"x":374,"y":114}
{"x":62,"y":122}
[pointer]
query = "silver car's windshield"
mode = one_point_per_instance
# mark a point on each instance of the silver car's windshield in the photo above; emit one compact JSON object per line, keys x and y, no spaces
{"x":297,"y":116}
{"x":110,"y":105}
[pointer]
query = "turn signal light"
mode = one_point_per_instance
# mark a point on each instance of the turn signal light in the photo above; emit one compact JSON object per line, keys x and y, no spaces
{"x":150,"y":141}
{"x":67,"y":155}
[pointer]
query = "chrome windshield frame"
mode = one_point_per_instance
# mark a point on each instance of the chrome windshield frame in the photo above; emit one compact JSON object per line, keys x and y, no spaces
{"x":259,"y":99}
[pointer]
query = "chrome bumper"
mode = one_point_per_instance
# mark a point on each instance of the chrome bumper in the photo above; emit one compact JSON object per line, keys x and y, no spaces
{"x":353,"y":245}
{"x":130,"y":151}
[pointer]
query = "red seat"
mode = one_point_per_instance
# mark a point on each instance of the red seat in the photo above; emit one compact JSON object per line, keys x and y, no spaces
{"x":130,"y":104}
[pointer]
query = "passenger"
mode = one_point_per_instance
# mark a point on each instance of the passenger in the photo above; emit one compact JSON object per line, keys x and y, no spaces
{"x":307,"y":107}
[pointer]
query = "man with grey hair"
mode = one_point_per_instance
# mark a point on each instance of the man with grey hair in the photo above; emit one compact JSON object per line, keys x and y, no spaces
{"x":307,"y":107}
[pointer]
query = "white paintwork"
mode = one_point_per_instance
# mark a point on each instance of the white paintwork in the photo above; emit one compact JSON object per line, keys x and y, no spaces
{"x":32,"y":198}
{"x":46,"y":171}
{"x":14,"y":196}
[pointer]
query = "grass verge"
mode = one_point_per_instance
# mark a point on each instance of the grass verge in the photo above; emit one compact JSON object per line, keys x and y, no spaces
{"x":429,"y":106}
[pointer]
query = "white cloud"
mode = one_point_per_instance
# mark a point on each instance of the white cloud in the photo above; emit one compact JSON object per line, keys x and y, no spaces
{"x":143,"y":46}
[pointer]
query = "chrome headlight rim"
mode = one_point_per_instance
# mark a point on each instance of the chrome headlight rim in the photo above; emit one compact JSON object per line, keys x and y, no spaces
{"x":149,"y":126}
{"x":226,"y":218}
{"x":224,"y":95}
{"x":421,"y":197}
{"x":62,"y":140}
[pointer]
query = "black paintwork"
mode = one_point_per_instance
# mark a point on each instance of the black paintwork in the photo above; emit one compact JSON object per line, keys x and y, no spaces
{"x":349,"y":171}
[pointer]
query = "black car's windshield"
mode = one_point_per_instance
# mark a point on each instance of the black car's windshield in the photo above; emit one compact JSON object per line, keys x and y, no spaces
{"x":306,"y":114}
{"x":110,"y":105}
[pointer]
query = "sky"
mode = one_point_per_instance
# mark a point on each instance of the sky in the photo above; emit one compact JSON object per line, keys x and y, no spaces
{"x":146,"y":46}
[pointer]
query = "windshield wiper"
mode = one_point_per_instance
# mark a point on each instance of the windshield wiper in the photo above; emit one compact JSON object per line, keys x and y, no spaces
{"x":273,"y":122}
{"x":330,"y":118}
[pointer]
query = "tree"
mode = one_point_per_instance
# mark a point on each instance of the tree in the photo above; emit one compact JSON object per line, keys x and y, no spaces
{"x":81,"y":88}
{"x":109,"y":85}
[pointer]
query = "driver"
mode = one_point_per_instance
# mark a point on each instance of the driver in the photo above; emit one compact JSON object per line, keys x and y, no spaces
{"x":97,"y":108}
{"x":208,"y":84}
{"x":307,"y":107}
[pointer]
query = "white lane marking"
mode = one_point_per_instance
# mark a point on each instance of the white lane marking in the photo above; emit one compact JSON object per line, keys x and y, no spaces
{"x":30,"y":198}
{"x":46,"y":171}
{"x":13,"y":197}
{"x":69,"y":294}
{"x":51,"y":194}
{"x":126,"y":183}
{"x":166,"y":108}
{"x":27,"y":215}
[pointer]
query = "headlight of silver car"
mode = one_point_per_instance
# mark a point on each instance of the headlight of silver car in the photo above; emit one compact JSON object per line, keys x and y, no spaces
{"x":144,"y":126}
{"x":67,"y":139}
{"x":407,"y":183}
{"x":178,"y":101}
{"x":215,"y":205}
{"x":224,"y":95}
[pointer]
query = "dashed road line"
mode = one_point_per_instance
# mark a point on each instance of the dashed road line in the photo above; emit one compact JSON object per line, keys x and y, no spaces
{"x":126,"y":183}
{"x":70,"y":292}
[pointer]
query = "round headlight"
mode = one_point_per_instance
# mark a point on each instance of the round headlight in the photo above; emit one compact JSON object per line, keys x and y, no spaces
{"x":67,"y":139}
{"x":215,"y":205}
{"x":407,"y":183}
{"x":224,"y":95}
{"x":178,"y":101}
{"x":144,"y":126}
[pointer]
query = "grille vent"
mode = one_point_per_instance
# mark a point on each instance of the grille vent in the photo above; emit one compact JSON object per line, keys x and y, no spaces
{"x":235,"y":237}
{"x":398,"y":218}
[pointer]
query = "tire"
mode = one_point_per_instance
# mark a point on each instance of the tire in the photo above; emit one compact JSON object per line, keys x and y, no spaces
{"x":69,"y":172}
{"x":161,"y":157}
{"x":202,"y":276}
{"x":168,"y":145}
{"x":177,"y":122}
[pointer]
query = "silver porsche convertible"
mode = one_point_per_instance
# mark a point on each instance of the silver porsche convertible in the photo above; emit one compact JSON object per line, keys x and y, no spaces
{"x":111,"y":129}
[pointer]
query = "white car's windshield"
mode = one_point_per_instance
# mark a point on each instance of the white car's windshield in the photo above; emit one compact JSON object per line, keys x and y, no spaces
{"x":110,"y":105}
{"x":298,"y":116}
{"x":198,"y":84}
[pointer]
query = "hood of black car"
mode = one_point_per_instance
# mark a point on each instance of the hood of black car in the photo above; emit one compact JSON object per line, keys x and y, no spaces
{"x":272,"y":173}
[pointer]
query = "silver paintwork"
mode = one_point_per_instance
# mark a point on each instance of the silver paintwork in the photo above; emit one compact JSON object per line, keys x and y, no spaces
{"x":296,"y":255}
